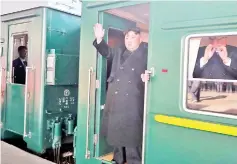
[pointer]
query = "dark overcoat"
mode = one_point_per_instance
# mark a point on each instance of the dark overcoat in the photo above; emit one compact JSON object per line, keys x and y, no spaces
{"x":19,"y":71}
{"x":215,"y":68}
{"x":122,"y":122}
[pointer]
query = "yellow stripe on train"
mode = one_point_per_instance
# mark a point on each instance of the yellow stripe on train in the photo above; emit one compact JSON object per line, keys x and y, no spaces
{"x":199,"y":125}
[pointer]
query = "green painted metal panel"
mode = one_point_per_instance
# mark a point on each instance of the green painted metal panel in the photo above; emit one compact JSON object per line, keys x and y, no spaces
{"x":15,"y":108}
{"x":171,"y":144}
{"x":166,"y":143}
{"x":157,"y":59}
{"x":63,"y":32}
{"x":60,"y":100}
{"x":57,"y":103}
{"x":67,"y":68}
{"x":63,"y":35}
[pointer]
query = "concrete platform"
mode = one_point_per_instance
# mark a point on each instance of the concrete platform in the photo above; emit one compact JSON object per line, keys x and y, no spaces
{"x":219,"y":102}
{"x":10,"y":154}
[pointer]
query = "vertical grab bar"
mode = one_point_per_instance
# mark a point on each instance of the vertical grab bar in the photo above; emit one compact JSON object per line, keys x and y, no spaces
{"x":1,"y":82}
{"x":1,"y":90}
{"x":13,"y":75}
{"x":27,"y":96}
{"x":1,"y":70}
{"x":87,"y":155}
{"x":147,"y":72}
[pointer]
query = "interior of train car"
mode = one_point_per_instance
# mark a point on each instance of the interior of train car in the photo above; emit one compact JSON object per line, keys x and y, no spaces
{"x":138,"y":14}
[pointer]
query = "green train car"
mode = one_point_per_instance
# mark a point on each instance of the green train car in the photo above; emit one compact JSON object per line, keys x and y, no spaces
{"x":43,"y":111}
{"x":61,"y":57}
{"x":176,"y":130}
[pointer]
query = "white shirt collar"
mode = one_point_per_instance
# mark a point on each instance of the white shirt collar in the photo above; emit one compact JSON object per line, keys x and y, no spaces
{"x":22,"y":59}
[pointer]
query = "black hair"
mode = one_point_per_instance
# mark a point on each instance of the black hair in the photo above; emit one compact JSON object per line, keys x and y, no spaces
{"x":136,"y":30}
{"x":21,"y":48}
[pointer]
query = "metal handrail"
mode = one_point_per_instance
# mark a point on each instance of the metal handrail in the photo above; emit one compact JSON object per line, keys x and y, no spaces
{"x":87,"y":155}
{"x":27,"y":96}
{"x":149,"y":73}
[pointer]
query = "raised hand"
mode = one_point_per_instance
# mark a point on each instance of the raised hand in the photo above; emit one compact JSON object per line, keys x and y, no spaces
{"x":209,"y":51}
{"x":145,"y":77}
{"x":99,"y":32}
{"x":223,"y":54}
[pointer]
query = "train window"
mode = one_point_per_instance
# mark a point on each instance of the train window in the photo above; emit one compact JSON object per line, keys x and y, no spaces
{"x":19,"y":40}
{"x":211,"y":81}
{"x":19,"y":63}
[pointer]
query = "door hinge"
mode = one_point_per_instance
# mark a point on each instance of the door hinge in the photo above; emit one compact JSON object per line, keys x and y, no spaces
{"x":95,"y":139}
{"x":97,"y":84}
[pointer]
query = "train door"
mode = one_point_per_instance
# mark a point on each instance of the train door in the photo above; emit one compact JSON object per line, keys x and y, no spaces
{"x":15,"y":92}
{"x":115,"y":22}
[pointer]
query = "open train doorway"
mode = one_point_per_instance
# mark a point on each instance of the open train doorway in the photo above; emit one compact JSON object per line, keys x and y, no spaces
{"x":115,"y":22}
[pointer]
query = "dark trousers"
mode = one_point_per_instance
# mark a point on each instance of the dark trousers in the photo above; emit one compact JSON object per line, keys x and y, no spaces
{"x":127,"y":154}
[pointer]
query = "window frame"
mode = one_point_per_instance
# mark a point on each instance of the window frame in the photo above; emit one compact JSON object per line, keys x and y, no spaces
{"x":184,"y":72}
{"x":11,"y":53}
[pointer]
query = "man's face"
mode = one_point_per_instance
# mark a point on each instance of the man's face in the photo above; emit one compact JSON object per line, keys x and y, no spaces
{"x":132,"y":41}
{"x":22,"y":53}
{"x":218,"y":41}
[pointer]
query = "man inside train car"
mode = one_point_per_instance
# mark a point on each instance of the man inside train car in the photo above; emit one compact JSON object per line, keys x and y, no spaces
{"x":217,"y":60}
{"x":122,"y":123}
{"x":19,"y":66}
